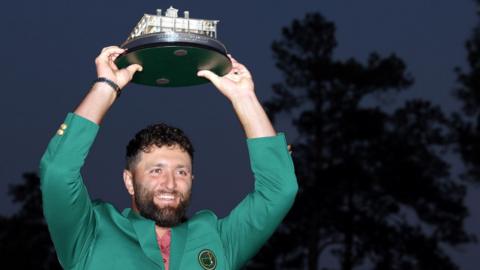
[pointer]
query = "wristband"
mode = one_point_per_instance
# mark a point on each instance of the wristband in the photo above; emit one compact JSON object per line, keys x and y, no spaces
{"x":111,"y":83}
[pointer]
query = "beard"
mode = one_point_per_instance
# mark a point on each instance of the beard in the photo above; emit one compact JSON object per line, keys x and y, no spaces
{"x":167,"y":216}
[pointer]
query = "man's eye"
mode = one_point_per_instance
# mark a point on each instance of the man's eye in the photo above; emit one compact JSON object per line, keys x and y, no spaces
{"x":183,"y":173}
{"x":156,"y":171}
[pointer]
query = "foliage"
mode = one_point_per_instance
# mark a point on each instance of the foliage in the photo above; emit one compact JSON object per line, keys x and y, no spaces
{"x":375,"y":190}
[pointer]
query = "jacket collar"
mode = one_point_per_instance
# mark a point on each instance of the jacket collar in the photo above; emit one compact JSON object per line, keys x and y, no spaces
{"x":145,"y":230}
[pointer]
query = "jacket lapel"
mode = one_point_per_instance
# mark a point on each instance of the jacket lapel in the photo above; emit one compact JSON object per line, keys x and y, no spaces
{"x":177,"y":245}
{"x":145,"y":230}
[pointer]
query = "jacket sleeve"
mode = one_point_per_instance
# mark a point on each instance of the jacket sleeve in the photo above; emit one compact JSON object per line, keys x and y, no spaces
{"x":67,"y":206}
{"x":254,"y":220}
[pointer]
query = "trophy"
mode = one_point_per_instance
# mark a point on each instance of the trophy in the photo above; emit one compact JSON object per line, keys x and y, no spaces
{"x":172,"y":50}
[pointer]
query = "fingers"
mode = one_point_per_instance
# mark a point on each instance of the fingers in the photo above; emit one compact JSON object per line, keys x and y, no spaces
{"x":209,"y":76}
{"x":109,"y":53}
{"x":112,"y":49}
{"x":134,"y":68}
{"x":238,"y":68}
{"x":235,"y":63}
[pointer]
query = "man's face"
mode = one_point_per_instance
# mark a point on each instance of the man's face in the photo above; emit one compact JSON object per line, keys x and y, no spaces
{"x":161,"y":184}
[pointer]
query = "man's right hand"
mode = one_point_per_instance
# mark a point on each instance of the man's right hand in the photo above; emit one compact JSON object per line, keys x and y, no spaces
{"x":106,"y":67}
{"x":101,"y":96}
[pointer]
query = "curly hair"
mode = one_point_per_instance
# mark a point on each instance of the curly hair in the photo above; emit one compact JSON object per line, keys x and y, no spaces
{"x":158,"y":135}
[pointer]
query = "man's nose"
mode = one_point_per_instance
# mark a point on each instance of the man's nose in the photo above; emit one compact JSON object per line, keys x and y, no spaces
{"x":170,"y":181}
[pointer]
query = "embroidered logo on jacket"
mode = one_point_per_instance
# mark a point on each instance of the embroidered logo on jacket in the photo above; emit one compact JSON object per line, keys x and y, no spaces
{"x":207,"y":259}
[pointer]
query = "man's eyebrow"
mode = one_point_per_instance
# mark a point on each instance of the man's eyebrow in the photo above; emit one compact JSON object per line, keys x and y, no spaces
{"x":182,"y":166}
{"x":187,"y":167}
{"x":163,"y":165}
{"x":155,"y":165}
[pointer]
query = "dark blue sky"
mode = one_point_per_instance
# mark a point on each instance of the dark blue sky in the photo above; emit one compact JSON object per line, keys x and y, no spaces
{"x":48,"y":50}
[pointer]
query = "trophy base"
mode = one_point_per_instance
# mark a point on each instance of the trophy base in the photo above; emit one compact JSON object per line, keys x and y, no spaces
{"x":173,"y":59}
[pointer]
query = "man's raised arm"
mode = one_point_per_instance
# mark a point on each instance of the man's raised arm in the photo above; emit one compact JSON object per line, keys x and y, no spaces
{"x":67,"y":206}
{"x":254,"y":220}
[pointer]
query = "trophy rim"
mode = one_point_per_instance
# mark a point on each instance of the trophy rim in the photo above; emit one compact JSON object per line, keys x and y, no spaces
{"x":175,"y":39}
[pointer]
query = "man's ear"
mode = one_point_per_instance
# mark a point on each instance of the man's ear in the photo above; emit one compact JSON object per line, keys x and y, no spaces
{"x":128,"y":181}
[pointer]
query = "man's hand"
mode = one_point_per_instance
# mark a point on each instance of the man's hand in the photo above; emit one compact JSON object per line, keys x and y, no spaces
{"x":106,"y":66}
{"x":101,"y":96}
{"x":236,"y":84}
{"x":238,"y":87}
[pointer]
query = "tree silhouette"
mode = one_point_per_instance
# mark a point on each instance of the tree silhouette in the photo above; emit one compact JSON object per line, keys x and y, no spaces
{"x":468,"y":92}
{"x":24,"y":239}
{"x":374,"y":188}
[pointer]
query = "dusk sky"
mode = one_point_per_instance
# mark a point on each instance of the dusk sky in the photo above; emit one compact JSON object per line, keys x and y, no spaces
{"x":48,"y":50}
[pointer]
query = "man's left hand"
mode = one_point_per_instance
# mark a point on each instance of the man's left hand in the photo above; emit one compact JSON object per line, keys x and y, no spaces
{"x":235,"y":84}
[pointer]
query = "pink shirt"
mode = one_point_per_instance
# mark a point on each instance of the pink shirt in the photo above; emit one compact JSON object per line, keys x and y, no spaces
{"x":164,"y":244}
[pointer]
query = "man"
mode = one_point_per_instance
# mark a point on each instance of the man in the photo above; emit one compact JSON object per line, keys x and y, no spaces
{"x":154,"y":233}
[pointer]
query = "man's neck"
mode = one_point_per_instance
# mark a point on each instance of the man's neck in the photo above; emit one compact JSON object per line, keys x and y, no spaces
{"x":160,"y":231}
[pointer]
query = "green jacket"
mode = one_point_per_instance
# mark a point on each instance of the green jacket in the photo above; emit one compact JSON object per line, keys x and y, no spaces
{"x":94,"y":235}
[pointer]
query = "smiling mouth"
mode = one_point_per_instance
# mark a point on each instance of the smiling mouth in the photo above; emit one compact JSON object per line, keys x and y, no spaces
{"x":167,"y":198}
